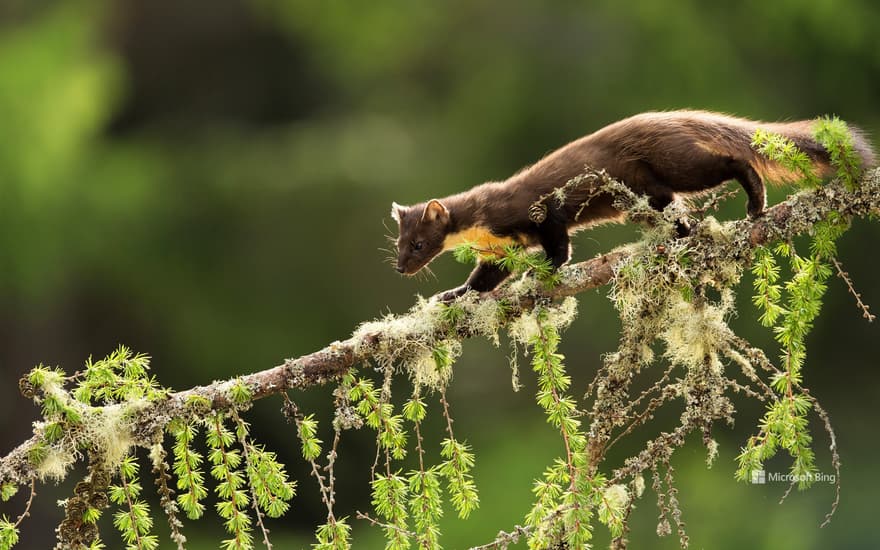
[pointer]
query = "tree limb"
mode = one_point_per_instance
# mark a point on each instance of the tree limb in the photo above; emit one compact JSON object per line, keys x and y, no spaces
{"x":793,"y":217}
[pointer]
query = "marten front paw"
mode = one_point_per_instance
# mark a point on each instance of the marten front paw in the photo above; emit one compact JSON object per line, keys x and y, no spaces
{"x":451,"y":295}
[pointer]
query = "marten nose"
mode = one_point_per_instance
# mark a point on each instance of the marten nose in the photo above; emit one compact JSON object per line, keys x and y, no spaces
{"x":400,"y":269}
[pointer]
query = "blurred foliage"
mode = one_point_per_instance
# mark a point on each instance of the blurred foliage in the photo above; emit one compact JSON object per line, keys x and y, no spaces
{"x":208,"y":181}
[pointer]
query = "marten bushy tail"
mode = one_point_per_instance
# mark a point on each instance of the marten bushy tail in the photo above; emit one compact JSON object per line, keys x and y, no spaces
{"x":802,"y":134}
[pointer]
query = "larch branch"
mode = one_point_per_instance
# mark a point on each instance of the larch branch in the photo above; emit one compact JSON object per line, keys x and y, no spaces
{"x":795,"y":216}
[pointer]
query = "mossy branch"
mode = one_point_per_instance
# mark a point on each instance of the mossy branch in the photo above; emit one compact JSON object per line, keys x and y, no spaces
{"x":659,"y":283}
{"x":428,"y":321}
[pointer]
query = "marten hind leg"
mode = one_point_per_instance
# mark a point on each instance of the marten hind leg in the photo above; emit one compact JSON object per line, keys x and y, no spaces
{"x":754,"y":186}
{"x":659,"y":199}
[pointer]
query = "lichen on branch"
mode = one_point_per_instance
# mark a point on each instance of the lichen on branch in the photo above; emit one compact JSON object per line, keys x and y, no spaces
{"x":678,"y":292}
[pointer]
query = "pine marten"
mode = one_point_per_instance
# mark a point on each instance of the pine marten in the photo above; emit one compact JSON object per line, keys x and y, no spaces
{"x":658,"y":154}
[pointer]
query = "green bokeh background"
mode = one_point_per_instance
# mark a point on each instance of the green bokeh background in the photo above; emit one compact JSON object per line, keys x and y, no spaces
{"x":207,"y":182}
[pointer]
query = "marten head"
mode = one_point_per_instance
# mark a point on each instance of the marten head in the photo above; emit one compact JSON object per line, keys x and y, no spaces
{"x":423,"y":228}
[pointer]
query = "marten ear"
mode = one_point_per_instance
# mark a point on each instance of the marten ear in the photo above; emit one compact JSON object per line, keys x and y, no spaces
{"x":435,"y":211}
{"x":396,"y":211}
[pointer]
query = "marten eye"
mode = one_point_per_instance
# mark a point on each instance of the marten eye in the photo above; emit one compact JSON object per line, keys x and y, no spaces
{"x":417,"y":245}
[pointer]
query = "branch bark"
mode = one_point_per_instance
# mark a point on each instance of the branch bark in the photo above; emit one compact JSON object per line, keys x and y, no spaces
{"x":793,"y":217}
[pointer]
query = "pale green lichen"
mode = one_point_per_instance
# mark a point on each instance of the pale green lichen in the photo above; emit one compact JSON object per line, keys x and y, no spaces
{"x":742,"y":362}
{"x":109,"y":429}
{"x":56,"y":462}
{"x":720,"y":262}
{"x":646,"y":355}
{"x":432,"y":368}
{"x":616,"y":496}
{"x":157,"y":455}
{"x":527,"y":326}
{"x":711,"y":452}
{"x":644,"y":280}
{"x":523,"y":286}
{"x":425,"y":341}
{"x":638,"y":485}
{"x":486,"y":318}
{"x":695,"y":330}
{"x":401,"y":335}
{"x":716,"y":230}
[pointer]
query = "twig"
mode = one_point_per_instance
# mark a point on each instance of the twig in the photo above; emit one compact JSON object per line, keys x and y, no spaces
{"x":666,"y":394}
{"x":713,"y":202}
{"x":446,"y":414}
{"x":241,"y":431}
{"x":852,"y":290}
{"x":376,"y":523}
{"x":835,"y":458}
{"x":27,"y":506}
{"x":166,"y":500}
{"x":330,"y":468}
{"x":326,"y":495}
{"x":504,"y":539}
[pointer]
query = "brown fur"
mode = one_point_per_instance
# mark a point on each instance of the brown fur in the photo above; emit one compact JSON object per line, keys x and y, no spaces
{"x":659,"y":154}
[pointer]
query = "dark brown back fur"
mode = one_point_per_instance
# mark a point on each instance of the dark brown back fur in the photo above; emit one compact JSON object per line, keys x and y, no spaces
{"x":665,"y":153}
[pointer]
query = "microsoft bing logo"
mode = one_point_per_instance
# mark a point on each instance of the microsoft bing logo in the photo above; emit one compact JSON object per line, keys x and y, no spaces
{"x":762,"y":477}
